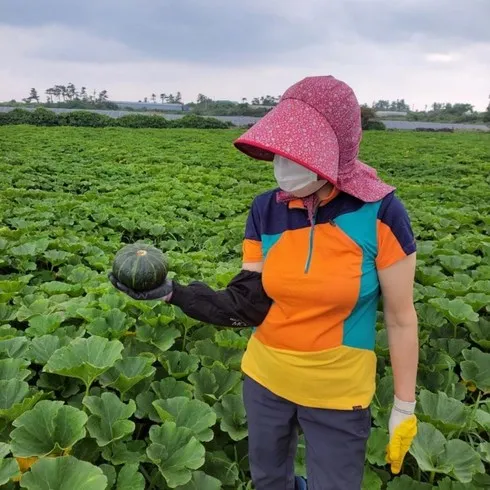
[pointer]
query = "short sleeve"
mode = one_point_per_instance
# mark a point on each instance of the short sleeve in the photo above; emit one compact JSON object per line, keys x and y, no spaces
{"x":252,"y":245}
{"x":395,"y":236}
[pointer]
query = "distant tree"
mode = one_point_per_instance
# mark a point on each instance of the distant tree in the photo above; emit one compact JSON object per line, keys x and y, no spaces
{"x":154,"y":98}
{"x":60,"y":92}
{"x":202,"y":99}
{"x":71,"y":91}
{"x":486,"y":115}
{"x":255,"y":101}
{"x":145,"y":100}
{"x":244,"y":100}
{"x":103,"y":96}
{"x":32,"y":96}
{"x":50,"y":92}
{"x":381,"y":105}
{"x":367,"y":114}
{"x":163,"y":98}
{"x":178,"y":98}
{"x":170,"y":99}
{"x":83,"y":94}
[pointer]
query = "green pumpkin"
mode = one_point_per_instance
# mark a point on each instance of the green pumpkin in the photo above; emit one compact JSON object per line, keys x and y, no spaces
{"x":140,"y":267}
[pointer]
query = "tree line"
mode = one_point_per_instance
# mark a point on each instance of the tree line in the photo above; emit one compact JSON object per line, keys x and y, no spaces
{"x":69,"y":96}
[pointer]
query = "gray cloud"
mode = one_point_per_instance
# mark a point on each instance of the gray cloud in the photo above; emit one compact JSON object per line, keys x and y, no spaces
{"x":442,"y":22}
{"x":210,"y":32}
{"x":218,"y":31}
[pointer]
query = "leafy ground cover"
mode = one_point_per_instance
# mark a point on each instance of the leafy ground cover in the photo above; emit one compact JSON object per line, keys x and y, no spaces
{"x":98,"y":391}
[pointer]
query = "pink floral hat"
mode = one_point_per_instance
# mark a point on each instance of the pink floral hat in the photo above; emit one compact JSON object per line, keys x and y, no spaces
{"x":317,"y":124}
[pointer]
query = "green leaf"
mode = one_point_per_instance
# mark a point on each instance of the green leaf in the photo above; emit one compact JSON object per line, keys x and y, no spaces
{"x":428,"y":449}
{"x":64,"y":473}
{"x":176,"y":452}
{"x":210,"y":353}
{"x":201,"y":481}
{"x":85,"y":359}
{"x":447,"y":414}
{"x":430,"y":317}
{"x":40,"y":306}
{"x":477,"y":300}
{"x":8,"y":466}
{"x":404,"y":482}
{"x":15,"y":348}
{"x":480,"y":332}
{"x":110,"y":473}
{"x":192,"y":414}
{"x":455,"y":310}
{"x":130,"y":478}
{"x":109,"y":420}
{"x":484,"y":451}
{"x":9,"y":469}
{"x":163,"y":389}
{"x":230,"y":339}
{"x":50,"y":427}
{"x":453,"y":347}
{"x":14,"y":368}
{"x":7,"y":313}
{"x":462,"y":262}
{"x":179,"y":364}
{"x":171,"y":388}
{"x":12,"y":392}
{"x":376,"y":447}
{"x":371,"y":480}
{"x":221,"y":467}
{"x":57,"y":257}
{"x":212,"y":384}
{"x":56,"y":287}
{"x":10,"y":289}
{"x":448,"y":484}
{"x":14,"y":399}
{"x":428,"y":276}
{"x":127,"y":372}
{"x":112,"y":324}
{"x":464,"y":460}
{"x":145,"y":408}
{"x":131,"y":452}
{"x":454,"y":458}
{"x":163,"y":338}
{"x":204,"y":383}
{"x":44,"y":324}
{"x":476,"y":369}
{"x":42,"y":348}
{"x":232,"y":416}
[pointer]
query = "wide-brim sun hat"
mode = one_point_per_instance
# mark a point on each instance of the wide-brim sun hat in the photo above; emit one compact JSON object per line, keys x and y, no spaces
{"x":317,"y":124}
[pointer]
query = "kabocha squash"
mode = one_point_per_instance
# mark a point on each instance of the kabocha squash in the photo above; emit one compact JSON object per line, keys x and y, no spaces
{"x":140,"y":267}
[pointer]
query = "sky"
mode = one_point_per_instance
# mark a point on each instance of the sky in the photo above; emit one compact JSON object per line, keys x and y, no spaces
{"x":420,"y":50}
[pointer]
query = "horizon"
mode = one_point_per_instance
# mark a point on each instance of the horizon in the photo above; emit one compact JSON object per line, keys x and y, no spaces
{"x":43,"y":100}
{"x":409,"y":49}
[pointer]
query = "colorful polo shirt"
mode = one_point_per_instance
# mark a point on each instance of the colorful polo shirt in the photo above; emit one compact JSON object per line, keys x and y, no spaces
{"x":316,"y":345}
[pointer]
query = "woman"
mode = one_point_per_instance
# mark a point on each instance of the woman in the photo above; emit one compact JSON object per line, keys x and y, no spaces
{"x":318,"y":254}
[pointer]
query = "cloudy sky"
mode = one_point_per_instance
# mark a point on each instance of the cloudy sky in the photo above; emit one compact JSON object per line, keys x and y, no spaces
{"x":420,"y":50}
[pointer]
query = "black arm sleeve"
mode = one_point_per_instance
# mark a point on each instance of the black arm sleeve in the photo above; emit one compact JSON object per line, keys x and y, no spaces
{"x":243,"y":303}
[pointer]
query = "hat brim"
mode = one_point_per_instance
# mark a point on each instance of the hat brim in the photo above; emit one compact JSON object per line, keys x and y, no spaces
{"x":296,"y":131}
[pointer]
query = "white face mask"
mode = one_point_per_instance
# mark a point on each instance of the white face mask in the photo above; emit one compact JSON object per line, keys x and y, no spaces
{"x":296,"y":179}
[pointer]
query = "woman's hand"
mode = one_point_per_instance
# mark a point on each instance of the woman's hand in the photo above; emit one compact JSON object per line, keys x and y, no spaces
{"x":403,"y":429}
{"x":163,"y":292}
{"x":400,"y":316}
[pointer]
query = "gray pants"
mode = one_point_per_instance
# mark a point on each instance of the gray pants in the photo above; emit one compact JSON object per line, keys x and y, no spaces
{"x":335,"y":442}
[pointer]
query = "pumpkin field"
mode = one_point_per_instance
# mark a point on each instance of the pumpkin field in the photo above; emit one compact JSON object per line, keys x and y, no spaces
{"x":99,"y":391}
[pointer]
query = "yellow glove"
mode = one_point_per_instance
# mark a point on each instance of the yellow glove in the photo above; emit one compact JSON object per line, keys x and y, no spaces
{"x":403,"y":429}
